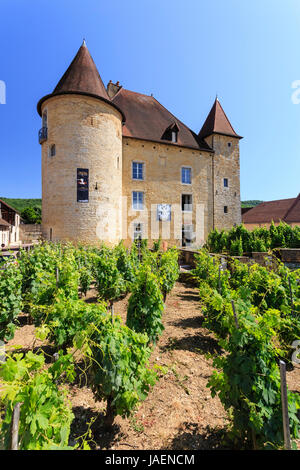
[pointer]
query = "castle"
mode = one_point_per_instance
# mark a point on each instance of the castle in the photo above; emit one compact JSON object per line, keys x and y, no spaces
{"x":118,"y":165}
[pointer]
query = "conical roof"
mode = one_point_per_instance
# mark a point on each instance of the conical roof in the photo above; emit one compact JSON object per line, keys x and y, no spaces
{"x":81,"y":77}
{"x":217,"y":123}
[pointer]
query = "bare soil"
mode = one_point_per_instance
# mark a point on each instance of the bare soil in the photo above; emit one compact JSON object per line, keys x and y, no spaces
{"x":179,"y":413}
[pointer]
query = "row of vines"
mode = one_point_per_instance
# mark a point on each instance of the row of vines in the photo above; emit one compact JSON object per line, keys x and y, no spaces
{"x":49,"y":283}
{"x":239,"y":240}
{"x":255,"y":315}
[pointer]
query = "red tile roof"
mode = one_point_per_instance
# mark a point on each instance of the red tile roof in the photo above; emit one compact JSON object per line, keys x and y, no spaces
{"x":9,"y":207}
{"x":287,"y":210}
{"x":3,"y":223}
{"x":147,"y":119}
{"x":81,"y":77}
{"x":293,"y":214}
{"x":217,"y":123}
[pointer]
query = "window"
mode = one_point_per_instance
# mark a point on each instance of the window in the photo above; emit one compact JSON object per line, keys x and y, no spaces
{"x":171,"y":133}
{"x":137,"y":231}
{"x":225,"y":182}
{"x":186,"y":202}
{"x":137,"y":171}
{"x":44,"y":119}
{"x":229,"y":144}
{"x":186,"y":175}
{"x":50,"y":235}
{"x":225,"y":209}
{"x":82,"y":185}
{"x":52,"y":150}
{"x":137,"y":200}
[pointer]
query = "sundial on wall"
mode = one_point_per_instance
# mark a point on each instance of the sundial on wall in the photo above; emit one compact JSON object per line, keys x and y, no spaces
{"x":164,"y":212}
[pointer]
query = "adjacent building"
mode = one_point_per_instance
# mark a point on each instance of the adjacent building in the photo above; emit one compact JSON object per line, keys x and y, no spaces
{"x":282,"y":210}
{"x":116,"y":164}
{"x":9,"y":225}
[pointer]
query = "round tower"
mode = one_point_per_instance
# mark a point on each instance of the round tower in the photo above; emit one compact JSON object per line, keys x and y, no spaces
{"x":81,"y":139}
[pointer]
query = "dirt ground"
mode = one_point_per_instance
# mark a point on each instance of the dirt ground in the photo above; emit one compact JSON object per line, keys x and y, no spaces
{"x":179,"y":413}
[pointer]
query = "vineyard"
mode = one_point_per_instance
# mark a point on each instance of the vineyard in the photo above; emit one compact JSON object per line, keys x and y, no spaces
{"x":106,"y":349}
{"x":239,"y":240}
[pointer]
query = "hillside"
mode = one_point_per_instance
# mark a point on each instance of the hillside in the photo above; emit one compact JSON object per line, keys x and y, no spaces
{"x":251,"y":203}
{"x":21,"y":204}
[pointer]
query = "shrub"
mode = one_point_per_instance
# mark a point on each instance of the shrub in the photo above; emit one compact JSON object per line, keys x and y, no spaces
{"x":145,"y":307}
{"x":120,"y":370}
{"x":10,"y":299}
{"x":45,"y":415}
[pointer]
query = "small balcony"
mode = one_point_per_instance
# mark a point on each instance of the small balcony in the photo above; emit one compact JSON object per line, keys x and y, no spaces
{"x":43,"y":134}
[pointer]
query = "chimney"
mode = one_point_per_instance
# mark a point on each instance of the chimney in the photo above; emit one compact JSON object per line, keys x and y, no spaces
{"x":113,"y":88}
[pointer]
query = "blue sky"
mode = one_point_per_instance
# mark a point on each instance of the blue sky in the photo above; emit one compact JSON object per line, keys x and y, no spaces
{"x":184,"y":52}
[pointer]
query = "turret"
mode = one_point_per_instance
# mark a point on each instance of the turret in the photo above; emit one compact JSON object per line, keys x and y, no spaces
{"x":218,"y":132}
{"x":81,"y":139}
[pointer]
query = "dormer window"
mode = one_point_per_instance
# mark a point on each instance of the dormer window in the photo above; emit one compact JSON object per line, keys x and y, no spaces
{"x":171,"y":133}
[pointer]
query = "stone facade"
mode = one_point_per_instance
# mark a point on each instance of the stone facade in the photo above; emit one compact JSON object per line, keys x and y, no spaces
{"x":162,"y":185}
{"x":226,"y":165}
{"x":92,"y":135}
{"x":87,"y":134}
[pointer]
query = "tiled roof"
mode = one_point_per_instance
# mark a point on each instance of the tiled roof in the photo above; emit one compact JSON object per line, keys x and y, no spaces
{"x":217,"y":123}
{"x":147,"y":119}
{"x":81,"y":77}
{"x":3,"y":223}
{"x":287,"y":210}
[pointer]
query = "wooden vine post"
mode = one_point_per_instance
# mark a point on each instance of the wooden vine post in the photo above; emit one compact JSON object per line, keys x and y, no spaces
{"x":15,"y":427}
{"x":285,"y":409}
{"x":291,"y":295}
{"x":57,"y":276}
{"x":235,"y":315}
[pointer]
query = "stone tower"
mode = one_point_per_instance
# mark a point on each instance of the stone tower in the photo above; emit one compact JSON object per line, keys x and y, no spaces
{"x":81,"y":139}
{"x":221,"y":137}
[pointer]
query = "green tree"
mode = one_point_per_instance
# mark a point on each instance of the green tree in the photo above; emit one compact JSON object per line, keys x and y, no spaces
{"x":32,"y":215}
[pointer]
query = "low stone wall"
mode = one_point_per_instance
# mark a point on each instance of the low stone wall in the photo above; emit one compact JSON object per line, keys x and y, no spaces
{"x":290,"y":255}
{"x":187,"y":257}
{"x":30,"y":232}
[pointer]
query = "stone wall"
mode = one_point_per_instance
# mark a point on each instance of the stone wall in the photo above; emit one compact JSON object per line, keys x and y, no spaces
{"x":226,"y":165}
{"x":87,"y":134}
{"x":162,"y":185}
{"x":30,"y":232}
